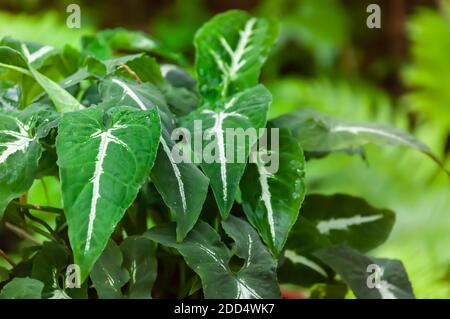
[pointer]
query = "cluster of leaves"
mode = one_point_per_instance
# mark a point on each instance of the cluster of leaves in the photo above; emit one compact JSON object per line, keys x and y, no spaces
{"x":137,"y":223}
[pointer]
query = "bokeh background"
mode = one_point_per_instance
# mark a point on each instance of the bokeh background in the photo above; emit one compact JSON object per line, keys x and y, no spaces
{"x":329,"y":60}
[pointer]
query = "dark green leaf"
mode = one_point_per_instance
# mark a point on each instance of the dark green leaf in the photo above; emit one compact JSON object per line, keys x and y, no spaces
{"x":103,"y":162}
{"x":210,"y":258}
{"x":139,"y":256}
{"x":387,"y":280}
{"x":273,"y":206}
{"x":222,"y":157}
{"x":108,"y":275}
{"x":348,"y":220}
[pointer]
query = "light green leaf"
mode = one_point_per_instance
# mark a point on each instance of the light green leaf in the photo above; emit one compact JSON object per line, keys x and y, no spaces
{"x":63,"y":100}
{"x":369,"y":278}
{"x":222,"y":157}
{"x":36,"y":54}
{"x":182,"y":186}
{"x":139,"y":256}
{"x":108,"y":275}
{"x":22,"y":288}
{"x":230,"y":51}
{"x":348,"y":220}
{"x":273,"y":206}
{"x":210,"y":258}
{"x":104,"y":157}
{"x":12,"y":59}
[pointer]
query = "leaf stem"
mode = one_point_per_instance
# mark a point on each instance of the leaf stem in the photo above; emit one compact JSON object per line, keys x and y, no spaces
{"x":132,"y":73}
{"x":47,"y":209}
{"x":22,"y":233}
{"x":16,"y":68}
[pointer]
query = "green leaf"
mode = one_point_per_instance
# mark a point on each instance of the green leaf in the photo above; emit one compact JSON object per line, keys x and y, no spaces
{"x":36,"y":54}
{"x":131,"y":41}
{"x":104,"y":157}
{"x":191,"y":186}
{"x":179,"y":90}
{"x":210,"y":258}
{"x":139,"y":256}
{"x":182,"y":186}
{"x":4,"y":274}
{"x":22,"y":288}
{"x":85,"y":72}
{"x":389,"y":277}
{"x":300,"y":270}
{"x":272,"y":207}
{"x":50,"y":261}
{"x":63,"y":100}
{"x":223,"y":158}
{"x":317,"y":132}
{"x":108,"y":275}
{"x":178,"y":78}
{"x":230,"y":51}
{"x":348,"y":220}
{"x":13,"y":60}
{"x":300,"y":266}
{"x":50,"y":266}
{"x":336,"y":290}
{"x":147,"y":69}
{"x":20,"y":150}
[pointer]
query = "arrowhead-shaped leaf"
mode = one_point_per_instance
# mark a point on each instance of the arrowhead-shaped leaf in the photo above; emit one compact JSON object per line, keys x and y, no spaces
{"x":223,"y":156}
{"x":182,"y":186}
{"x":139,"y":259}
{"x":348,"y":220}
{"x":209,"y":258}
{"x":104,"y":157}
{"x":230,"y":51}
{"x":369,"y":278}
{"x":273,"y":206}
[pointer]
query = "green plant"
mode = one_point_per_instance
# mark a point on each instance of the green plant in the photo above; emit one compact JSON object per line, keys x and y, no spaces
{"x":140,"y":224}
